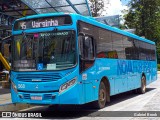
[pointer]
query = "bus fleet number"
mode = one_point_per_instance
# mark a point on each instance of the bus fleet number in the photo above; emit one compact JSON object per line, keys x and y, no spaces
{"x":21,"y":85}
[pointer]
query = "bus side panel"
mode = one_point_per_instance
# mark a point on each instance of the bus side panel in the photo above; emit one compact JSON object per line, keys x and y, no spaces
{"x":148,"y":71}
{"x":125,"y":75}
{"x":151,"y":71}
{"x":107,"y":68}
{"x":134,"y":74}
{"x":122,"y":75}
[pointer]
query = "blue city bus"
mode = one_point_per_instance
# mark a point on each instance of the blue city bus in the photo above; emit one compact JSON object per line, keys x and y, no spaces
{"x":60,"y":58}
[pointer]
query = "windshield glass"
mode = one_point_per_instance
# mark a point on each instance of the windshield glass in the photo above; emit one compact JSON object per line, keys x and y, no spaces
{"x":44,"y":51}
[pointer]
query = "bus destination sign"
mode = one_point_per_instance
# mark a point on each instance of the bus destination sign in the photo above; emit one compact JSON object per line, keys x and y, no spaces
{"x":42,"y":22}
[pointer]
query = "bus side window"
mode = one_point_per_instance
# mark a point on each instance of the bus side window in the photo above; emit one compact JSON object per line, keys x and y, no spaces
{"x":88,"y":48}
{"x":80,"y":40}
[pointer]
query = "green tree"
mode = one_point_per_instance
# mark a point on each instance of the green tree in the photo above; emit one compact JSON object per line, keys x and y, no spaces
{"x":144,"y":16}
{"x":96,"y":6}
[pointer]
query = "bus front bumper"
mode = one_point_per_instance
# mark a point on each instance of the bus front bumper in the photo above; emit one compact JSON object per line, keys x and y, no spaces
{"x":70,"y":96}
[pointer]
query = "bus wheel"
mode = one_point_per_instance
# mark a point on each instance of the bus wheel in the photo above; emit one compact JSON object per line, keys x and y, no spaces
{"x":102,"y":95}
{"x":142,"y":89}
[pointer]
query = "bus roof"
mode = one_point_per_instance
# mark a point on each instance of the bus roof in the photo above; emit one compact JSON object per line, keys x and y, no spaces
{"x":92,"y":21}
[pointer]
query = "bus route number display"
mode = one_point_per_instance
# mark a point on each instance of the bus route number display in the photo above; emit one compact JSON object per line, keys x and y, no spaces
{"x":42,"y":22}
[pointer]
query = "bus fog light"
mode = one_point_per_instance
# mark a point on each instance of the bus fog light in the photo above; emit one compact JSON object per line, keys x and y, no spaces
{"x":20,"y":96}
{"x":67,"y":85}
{"x":53,"y":96}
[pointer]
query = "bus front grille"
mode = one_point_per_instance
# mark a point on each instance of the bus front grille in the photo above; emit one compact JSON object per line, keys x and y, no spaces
{"x":38,"y":77}
{"x":47,"y":96}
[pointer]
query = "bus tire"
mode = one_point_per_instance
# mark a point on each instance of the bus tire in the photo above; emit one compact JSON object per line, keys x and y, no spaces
{"x":142,"y":89}
{"x":102,"y":97}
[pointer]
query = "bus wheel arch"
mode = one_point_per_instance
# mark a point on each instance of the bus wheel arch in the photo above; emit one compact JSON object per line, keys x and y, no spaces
{"x":143,"y":74}
{"x":142,"y":88}
{"x":107,"y":85}
{"x":103,"y":94}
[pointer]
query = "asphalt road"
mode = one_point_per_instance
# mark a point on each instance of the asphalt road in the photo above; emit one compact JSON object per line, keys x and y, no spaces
{"x":150,"y":101}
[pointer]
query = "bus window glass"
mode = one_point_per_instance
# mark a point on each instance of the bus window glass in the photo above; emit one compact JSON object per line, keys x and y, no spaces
{"x":153,"y":53}
{"x":128,"y":47}
{"x":104,"y":44}
{"x":142,"y":50}
{"x":88,"y":48}
{"x":136,"y":49}
{"x":86,"y":28}
{"x":44,"y":51}
{"x":118,"y":45}
{"x":80,"y":40}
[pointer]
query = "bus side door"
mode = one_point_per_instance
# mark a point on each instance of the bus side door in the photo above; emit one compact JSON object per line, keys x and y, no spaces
{"x":87,"y":67}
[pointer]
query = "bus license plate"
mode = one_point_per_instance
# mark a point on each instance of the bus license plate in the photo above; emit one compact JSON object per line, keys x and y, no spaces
{"x":36,"y":97}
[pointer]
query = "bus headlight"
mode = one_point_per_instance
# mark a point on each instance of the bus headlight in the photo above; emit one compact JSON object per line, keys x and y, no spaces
{"x":67,"y":85}
{"x":14,"y":86}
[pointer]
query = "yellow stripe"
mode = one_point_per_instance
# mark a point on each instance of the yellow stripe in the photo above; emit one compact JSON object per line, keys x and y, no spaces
{"x":5,"y":63}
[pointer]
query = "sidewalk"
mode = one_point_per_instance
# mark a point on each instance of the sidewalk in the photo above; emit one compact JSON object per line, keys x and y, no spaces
{"x":6,"y":102}
{"x":5,"y":96}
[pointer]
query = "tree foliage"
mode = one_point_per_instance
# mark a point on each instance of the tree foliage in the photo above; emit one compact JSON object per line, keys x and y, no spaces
{"x":144,"y":16}
{"x":97,"y":7}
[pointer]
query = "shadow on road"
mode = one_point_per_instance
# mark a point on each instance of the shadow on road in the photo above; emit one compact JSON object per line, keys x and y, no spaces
{"x":4,"y":91}
{"x":124,"y":96}
{"x":76,"y":111}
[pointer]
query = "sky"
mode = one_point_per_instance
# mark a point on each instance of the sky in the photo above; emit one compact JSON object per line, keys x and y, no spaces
{"x":115,"y":7}
{"x":124,"y":2}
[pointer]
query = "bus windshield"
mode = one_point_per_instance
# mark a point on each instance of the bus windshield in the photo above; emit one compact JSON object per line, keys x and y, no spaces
{"x":44,"y":51}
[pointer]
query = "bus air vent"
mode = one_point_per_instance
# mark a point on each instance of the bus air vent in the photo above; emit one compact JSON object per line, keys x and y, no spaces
{"x":26,"y":96}
{"x":47,"y":96}
{"x":38,"y":77}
